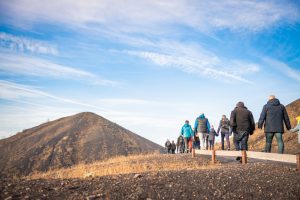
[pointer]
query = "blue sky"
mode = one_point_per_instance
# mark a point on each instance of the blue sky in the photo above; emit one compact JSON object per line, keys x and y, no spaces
{"x":146,"y":65}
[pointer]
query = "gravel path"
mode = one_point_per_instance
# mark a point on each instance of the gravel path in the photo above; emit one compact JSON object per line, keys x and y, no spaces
{"x":231,"y":180}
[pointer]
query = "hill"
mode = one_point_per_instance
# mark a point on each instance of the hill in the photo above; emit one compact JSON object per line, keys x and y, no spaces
{"x":82,"y":138}
{"x":257,"y":140}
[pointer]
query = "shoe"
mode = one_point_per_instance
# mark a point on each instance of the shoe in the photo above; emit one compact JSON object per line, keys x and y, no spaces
{"x":239,"y":158}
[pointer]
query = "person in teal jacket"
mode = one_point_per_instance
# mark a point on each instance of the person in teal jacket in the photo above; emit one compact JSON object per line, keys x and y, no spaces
{"x":188,"y":134}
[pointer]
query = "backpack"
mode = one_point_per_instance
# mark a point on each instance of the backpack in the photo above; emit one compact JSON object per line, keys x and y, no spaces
{"x":202,"y":128}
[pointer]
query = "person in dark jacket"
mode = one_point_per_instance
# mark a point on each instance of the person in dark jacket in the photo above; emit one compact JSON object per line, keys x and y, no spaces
{"x":180,"y":144}
{"x":225,"y":133}
{"x":168,"y":145}
{"x":242,"y":124}
{"x":272,"y":117}
{"x":173,"y":147}
{"x":202,"y":128}
{"x":211,"y":137}
{"x":196,"y":142}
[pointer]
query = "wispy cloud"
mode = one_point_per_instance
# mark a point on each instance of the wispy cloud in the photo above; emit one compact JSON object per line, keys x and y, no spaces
{"x":283,"y":68}
{"x":24,"y":44}
{"x":32,"y":66}
{"x":12,"y":91}
{"x":137,"y":16}
{"x":193,"y":59}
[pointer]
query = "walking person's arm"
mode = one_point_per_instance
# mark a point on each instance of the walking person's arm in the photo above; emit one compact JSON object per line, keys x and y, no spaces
{"x":286,"y":119}
{"x":252,"y":123}
{"x":262,"y":117}
{"x":196,"y":125}
{"x":233,"y":120}
{"x":220,"y":124}
{"x":208,"y":125}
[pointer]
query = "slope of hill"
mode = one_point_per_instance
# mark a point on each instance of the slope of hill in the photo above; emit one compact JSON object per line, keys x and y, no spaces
{"x":257,"y":140}
{"x":82,"y":138}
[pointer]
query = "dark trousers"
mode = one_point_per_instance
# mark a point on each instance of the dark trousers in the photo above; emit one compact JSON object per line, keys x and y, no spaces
{"x":211,"y":144}
{"x":269,"y":139}
{"x":186,"y":143}
{"x":225,"y":135}
{"x":240,"y":140}
{"x":169,"y":150}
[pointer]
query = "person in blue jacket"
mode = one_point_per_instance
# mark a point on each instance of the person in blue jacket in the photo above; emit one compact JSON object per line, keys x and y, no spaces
{"x":202,"y":128}
{"x":188,"y":134}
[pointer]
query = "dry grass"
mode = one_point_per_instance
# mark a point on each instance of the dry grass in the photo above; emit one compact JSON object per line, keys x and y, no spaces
{"x":126,"y":164}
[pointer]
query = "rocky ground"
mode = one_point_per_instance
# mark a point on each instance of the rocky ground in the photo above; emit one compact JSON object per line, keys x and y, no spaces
{"x":230,"y":180}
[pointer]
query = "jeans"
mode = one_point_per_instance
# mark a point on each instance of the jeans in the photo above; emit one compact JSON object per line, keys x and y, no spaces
{"x":240,"y":140}
{"x":203,"y":141}
{"x":186,"y":143}
{"x":269,"y":139}
{"x":223,"y":136}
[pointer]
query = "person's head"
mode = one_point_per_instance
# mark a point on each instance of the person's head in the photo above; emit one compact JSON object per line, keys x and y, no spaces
{"x":212,"y":126}
{"x":187,"y":122}
{"x":272,"y":97}
{"x":240,"y":104}
{"x":172,"y":141}
{"x":223,"y":116}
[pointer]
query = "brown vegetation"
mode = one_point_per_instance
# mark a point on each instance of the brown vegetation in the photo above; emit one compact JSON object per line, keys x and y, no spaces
{"x":128,"y":164}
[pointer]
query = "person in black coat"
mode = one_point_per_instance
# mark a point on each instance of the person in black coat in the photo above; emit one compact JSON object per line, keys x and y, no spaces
{"x":272,"y":117}
{"x":242,"y":125}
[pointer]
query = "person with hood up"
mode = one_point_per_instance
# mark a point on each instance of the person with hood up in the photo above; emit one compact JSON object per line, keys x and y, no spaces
{"x":297,"y":128}
{"x":242,"y":125}
{"x":272,"y":117}
{"x":188,"y":134}
{"x":211,"y":137}
{"x":225,"y":132}
{"x":202,"y":128}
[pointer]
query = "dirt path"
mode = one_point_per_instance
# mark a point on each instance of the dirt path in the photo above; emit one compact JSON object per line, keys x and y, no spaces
{"x":231,"y":180}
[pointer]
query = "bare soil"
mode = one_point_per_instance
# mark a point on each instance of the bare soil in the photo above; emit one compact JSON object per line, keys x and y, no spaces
{"x":229,"y":180}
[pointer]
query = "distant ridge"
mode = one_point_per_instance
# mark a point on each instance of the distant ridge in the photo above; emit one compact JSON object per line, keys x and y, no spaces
{"x":81,"y":138}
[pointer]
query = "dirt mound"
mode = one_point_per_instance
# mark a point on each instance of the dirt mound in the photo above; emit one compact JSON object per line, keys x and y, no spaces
{"x":257,"y":180}
{"x":82,"y":138}
{"x":257,"y":140}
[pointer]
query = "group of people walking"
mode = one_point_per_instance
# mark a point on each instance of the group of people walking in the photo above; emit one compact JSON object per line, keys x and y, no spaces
{"x":241,"y":124}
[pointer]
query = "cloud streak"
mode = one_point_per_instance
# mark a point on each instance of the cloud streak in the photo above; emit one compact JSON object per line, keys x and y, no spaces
{"x":24,"y":44}
{"x":146,"y":16}
{"x":31,"y":66}
{"x":283,"y":68}
{"x":14,"y":91}
{"x":193,"y":59}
